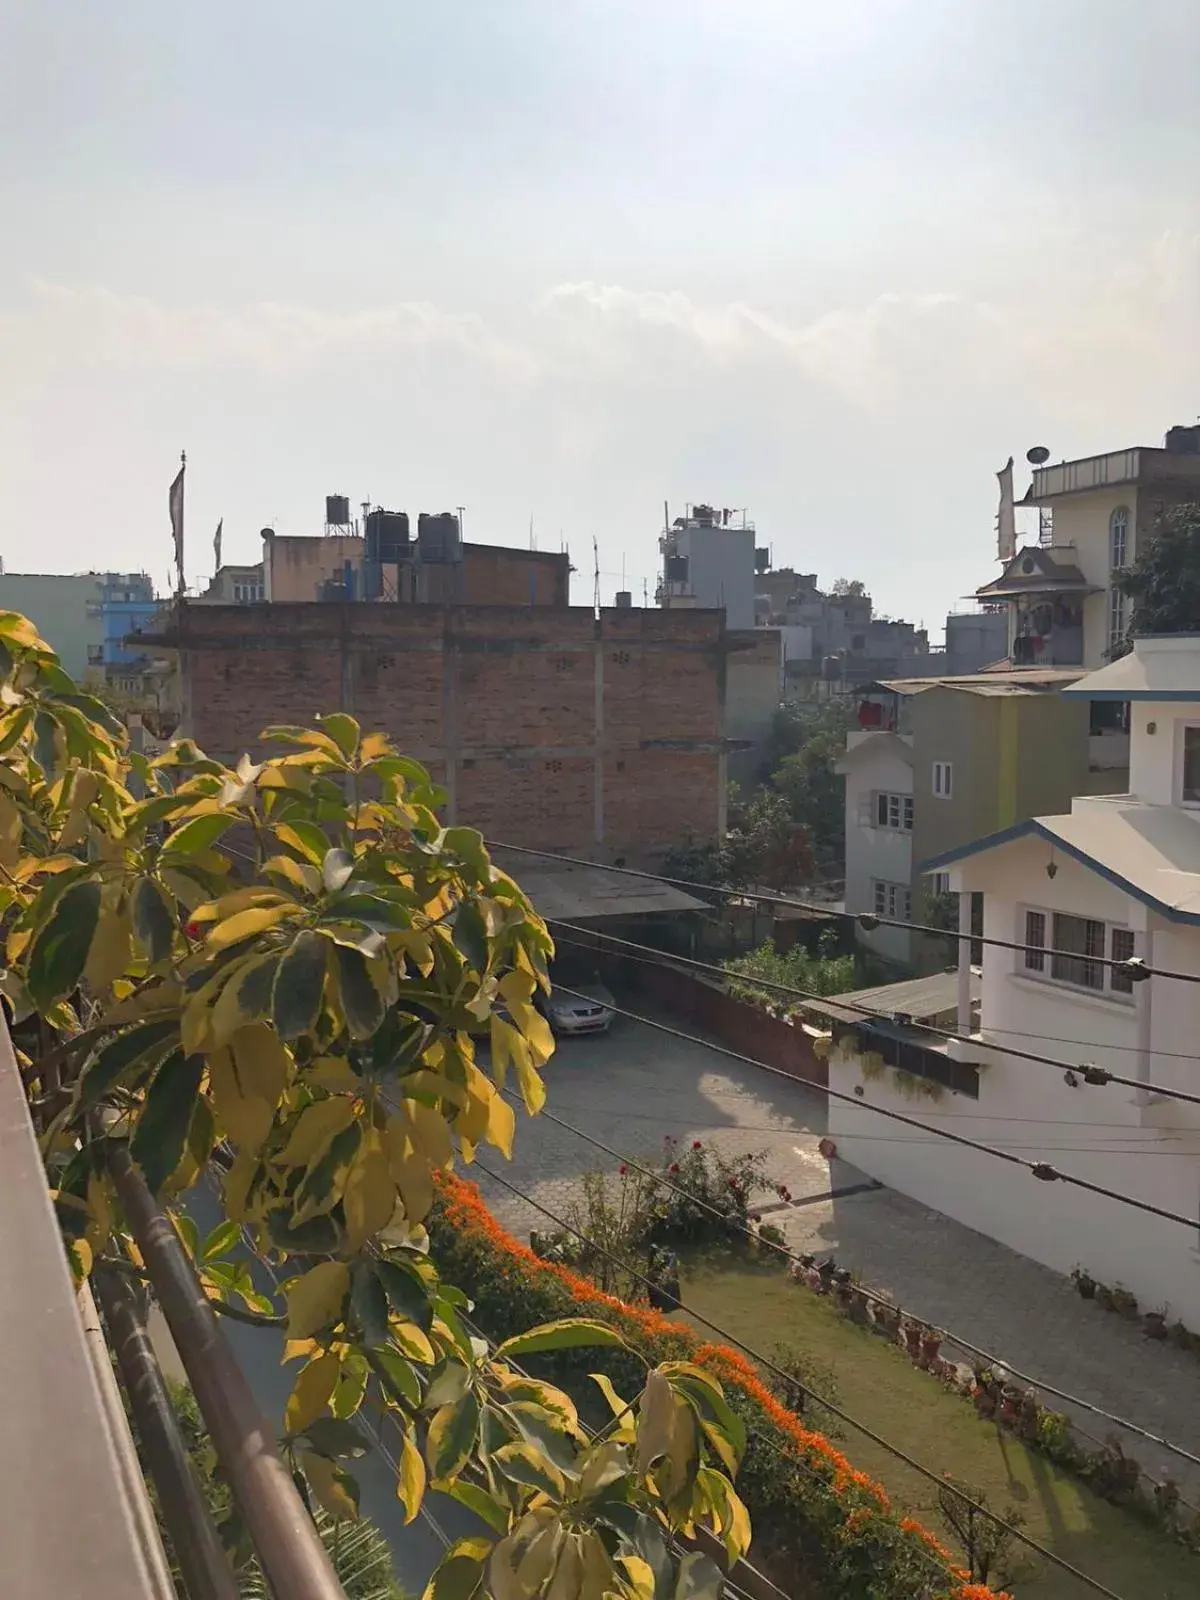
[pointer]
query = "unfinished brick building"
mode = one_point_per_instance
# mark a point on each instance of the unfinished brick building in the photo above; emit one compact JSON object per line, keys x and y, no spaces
{"x":546,"y":726}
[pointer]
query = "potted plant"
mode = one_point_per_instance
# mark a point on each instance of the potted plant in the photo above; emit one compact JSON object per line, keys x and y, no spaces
{"x":913,"y":1333}
{"x":931,"y":1345}
{"x":985,"y":1402}
{"x":887,"y":1319}
{"x":858,"y":1308}
{"x":1125,"y":1302}
{"x":1084,"y":1283}
{"x":1010,"y":1404}
{"x":1154,"y":1324}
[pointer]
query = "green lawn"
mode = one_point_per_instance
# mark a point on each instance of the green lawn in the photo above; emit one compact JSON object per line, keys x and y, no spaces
{"x":880,"y":1386}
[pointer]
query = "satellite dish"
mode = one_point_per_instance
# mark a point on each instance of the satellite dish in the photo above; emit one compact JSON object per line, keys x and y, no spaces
{"x":1037,"y":455}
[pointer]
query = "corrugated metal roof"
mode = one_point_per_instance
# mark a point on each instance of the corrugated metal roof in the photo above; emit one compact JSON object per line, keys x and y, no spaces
{"x":918,"y":998}
{"x":1015,"y":681}
{"x":572,"y":893}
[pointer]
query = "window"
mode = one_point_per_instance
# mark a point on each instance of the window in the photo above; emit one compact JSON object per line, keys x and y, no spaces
{"x":95,"y":655}
{"x":1116,"y":617}
{"x":940,"y":883}
{"x":1120,"y":948}
{"x":1190,"y":786}
{"x":1035,"y":941}
{"x":892,"y":900}
{"x":894,"y":811}
{"x":943,"y":779}
{"x":93,"y":608}
{"x":1118,"y":538}
{"x":1075,"y":952}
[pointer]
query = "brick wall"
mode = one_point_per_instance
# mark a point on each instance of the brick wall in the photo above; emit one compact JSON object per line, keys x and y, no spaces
{"x":546,"y":726}
{"x":700,"y":1004}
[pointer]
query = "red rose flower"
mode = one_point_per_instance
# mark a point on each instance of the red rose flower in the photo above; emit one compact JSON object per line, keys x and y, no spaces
{"x":624,"y":1170}
{"x":193,"y":930}
{"x":696,"y":1145}
{"x":674,"y":1166}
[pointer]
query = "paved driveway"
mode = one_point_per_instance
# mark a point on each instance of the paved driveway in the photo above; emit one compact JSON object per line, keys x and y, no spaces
{"x":631,"y":1087}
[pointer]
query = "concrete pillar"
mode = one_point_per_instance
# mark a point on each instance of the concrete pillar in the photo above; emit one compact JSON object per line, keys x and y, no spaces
{"x":964,"y":963}
{"x":1143,"y":1000}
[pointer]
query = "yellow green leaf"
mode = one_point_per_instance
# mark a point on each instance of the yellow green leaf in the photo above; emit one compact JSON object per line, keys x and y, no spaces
{"x":410,"y":1480}
{"x":333,"y":1073}
{"x":332,"y":1485}
{"x":501,"y":1125}
{"x":413,"y":1341}
{"x":246,"y":1119}
{"x":111,"y":948}
{"x":263,"y":1062}
{"x":370,"y":1196}
{"x":246,"y":924}
{"x":409,"y":1169}
{"x":311,"y":1394}
{"x":317,"y":1298}
{"x":295,"y":873}
{"x":316,"y":1128}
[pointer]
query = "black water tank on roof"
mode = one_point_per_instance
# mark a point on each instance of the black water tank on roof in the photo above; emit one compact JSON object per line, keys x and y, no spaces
{"x":387,"y":537}
{"x":1183,"y":441}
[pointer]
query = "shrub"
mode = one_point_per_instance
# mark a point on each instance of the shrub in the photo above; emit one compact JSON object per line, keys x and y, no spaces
{"x":820,"y":1525}
{"x":797,"y":968}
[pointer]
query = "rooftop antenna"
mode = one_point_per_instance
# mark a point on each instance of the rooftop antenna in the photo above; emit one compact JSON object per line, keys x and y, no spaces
{"x":532,"y":539}
{"x":596,"y":579}
{"x":460,"y":510}
{"x":645,"y":595}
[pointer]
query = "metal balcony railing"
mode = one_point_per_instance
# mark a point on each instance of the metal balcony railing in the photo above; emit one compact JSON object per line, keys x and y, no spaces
{"x":75,"y":1516}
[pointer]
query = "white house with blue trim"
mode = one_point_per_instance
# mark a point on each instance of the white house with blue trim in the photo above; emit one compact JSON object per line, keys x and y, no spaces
{"x":1068,"y":900}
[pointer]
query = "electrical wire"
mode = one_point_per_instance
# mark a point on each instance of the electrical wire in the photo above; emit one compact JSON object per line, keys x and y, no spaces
{"x":830,"y":1005}
{"x":665,"y":1181}
{"x":1132,"y":967}
{"x":830,"y":1406}
{"x":1041,"y":1170}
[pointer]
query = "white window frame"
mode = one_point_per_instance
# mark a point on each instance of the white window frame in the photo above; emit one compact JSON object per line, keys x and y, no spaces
{"x":891,"y":900}
{"x":939,"y":883}
{"x":1118,"y":538}
{"x":892,"y":811}
{"x":942,"y":780}
{"x":1117,"y":616}
{"x":1182,"y":728}
{"x":1037,"y":961}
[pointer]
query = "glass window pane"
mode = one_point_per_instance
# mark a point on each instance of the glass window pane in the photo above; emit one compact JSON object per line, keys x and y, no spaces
{"x":1191,"y":764}
{"x":1120,"y":948}
{"x":1035,"y":940}
{"x":1075,"y":939}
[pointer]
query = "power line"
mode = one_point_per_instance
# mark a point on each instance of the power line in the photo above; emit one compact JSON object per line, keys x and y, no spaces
{"x":830,"y":1005}
{"x":1132,"y":967}
{"x":666,"y":1181}
{"x":1042,"y":1170}
{"x":830,"y":1406}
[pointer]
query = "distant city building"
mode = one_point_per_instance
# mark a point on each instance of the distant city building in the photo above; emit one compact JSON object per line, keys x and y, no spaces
{"x":85,"y":616}
{"x":709,"y":564}
{"x":1059,"y":594}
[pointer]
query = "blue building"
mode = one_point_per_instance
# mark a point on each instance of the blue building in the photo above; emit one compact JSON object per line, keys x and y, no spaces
{"x":127,"y":605}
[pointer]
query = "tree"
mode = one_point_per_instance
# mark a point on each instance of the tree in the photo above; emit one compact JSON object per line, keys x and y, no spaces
{"x":848,"y":589}
{"x":806,"y":776}
{"x":987,"y":1540}
{"x":290,"y":965}
{"x":1164,"y":581}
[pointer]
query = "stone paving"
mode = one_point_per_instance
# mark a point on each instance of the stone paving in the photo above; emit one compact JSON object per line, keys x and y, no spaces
{"x":635,"y":1085}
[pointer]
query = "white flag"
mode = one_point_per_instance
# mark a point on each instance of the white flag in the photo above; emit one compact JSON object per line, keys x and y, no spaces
{"x":175,"y":506}
{"x":1006,"y":517}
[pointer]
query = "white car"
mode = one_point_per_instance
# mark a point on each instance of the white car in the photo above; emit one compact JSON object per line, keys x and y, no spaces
{"x":587,"y":1008}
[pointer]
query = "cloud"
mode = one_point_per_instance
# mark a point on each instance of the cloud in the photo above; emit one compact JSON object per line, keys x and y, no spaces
{"x":98,"y":324}
{"x":863,"y":351}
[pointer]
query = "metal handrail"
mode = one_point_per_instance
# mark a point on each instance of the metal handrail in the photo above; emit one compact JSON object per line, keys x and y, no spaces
{"x":73,"y":1512}
{"x":289,"y":1549}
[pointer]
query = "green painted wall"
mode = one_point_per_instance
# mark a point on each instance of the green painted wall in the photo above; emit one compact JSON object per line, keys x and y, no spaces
{"x":57,"y":603}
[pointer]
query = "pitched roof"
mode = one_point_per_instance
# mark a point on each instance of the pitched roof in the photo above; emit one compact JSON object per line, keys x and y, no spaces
{"x":1149,"y":852}
{"x":1160,"y":667}
{"x":1035,"y":571}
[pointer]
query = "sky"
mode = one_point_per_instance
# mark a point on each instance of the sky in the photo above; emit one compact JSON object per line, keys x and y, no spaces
{"x":560,"y":261}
